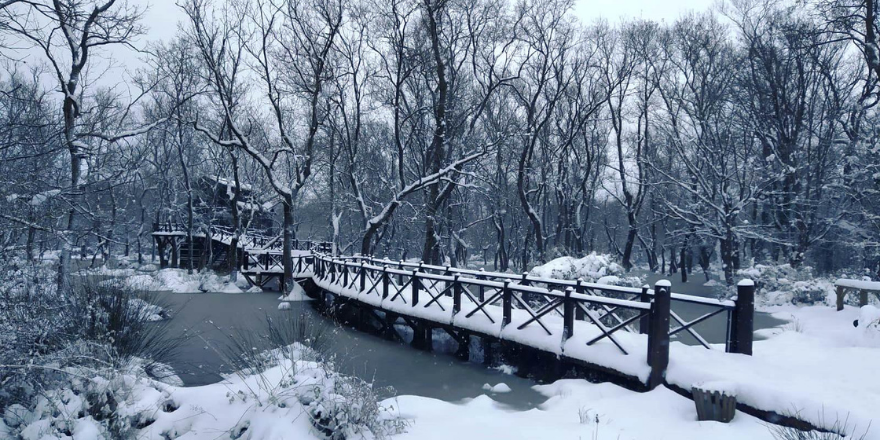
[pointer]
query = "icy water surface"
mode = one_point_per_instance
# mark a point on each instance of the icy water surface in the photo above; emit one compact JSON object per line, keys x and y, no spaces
{"x":208,"y":318}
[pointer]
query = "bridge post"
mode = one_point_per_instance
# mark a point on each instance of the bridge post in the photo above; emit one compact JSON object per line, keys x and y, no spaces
{"x":333,"y":271}
{"x":385,"y":281}
{"x":743,"y":322}
{"x":163,"y":261}
{"x":658,"y":337}
{"x":644,"y":321}
{"x":579,"y":288}
{"x":174,"y":253}
{"x":482,"y":292}
{"x":525,"y":279}
{"x":456,"y":295}
{"x":344,"y":275}
{"x":506,"y":303}
{"x":363,"y":277}
{"x":415,"y":287}
{"x":568,"y":311}
{"x":400,"y":275}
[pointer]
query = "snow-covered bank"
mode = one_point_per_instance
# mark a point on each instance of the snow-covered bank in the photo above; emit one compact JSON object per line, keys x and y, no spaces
{"x":297,"y":398}
{"x":178,"y":281}
{"x":819,"y":368}
{"x":576,"y":409}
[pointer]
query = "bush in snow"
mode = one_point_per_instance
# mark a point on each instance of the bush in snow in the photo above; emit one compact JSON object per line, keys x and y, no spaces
{"x":338,"y":406}
{"x":592,"y":268}
{"x":178,"y":281}
{"x":342,"y":407}
{"x":85,"y":402}
{"x":51,"y":339}
{"x":783,"y":284}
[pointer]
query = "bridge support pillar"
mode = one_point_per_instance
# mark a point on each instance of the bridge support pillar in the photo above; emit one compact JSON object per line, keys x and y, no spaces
{"x":423,"y":337}
{"x":464,"y":348}
{"x":175,"y":253}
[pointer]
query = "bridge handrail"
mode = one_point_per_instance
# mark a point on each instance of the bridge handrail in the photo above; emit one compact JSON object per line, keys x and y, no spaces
{"x":693,"y":299}
{"x":512,"y":284}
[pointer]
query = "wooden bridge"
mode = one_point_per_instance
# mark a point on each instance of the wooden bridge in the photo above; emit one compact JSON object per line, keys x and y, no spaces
{"x":259,"y":257}
{"x":546,"y":323}
{"x":537,"y":324}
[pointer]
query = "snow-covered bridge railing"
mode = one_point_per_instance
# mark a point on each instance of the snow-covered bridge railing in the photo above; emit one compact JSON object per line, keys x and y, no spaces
{"x":711,"y":307}
{"x":844,"y":285}
{"x":577,"y":321}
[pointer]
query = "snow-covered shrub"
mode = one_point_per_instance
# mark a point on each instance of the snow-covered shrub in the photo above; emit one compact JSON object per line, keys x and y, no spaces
{"x":100,"y":404}
{"x":339,"y":406}
{"x":615,"y":280}
{"x":343,"y":407}
{"x":50,"y":337}
{"x":592,"y":268}
{"x":178,"y":281}
{"x":783,"y":284}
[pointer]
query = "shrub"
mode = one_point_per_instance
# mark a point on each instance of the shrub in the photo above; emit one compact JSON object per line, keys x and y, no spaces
{"x":339,"y":406}
{"x":53,"y":340}
{"x":783,"y":284}
{"x":590,"y":268}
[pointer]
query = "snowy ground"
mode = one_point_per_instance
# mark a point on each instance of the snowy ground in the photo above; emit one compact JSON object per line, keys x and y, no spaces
{"x":819,"y":367}
{"x":576,"y":409}
{"x":279,"y":404}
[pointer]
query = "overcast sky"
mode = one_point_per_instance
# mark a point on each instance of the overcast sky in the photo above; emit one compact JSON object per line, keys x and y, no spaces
{"x":162,"y":18}
{"x":163,"y":15}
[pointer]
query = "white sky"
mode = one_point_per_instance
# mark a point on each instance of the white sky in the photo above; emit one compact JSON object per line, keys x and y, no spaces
{"x":660,"y":10}
{"x":163,"y":15}
{"x":162,"y":18}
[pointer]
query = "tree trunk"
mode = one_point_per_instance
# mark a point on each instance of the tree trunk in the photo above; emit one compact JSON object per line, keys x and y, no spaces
{"x":287,"y":236}
{"x":628,"y":247}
